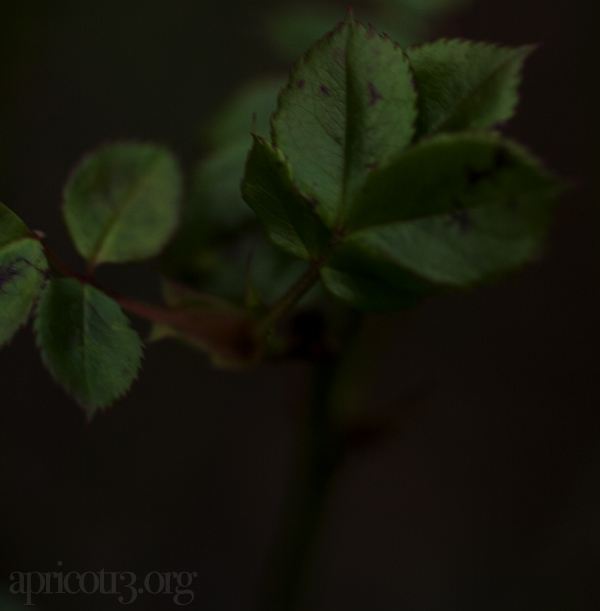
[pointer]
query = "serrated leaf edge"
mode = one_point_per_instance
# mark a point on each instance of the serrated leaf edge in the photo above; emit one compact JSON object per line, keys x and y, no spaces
{"x":90,"y":410}
{"x":525,"y":50}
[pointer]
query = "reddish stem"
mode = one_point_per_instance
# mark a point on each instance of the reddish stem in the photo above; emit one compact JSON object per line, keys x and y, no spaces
{"x":228,"y":334}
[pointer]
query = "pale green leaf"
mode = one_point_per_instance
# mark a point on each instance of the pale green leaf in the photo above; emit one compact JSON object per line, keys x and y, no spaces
{"x":122,"y":203}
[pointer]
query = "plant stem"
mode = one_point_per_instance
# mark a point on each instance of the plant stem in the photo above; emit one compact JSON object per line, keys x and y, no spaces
{"x":289,"y":300}
{"x":226,"y":334}
{"x":319,"y":455}
{"x":144,"y":310}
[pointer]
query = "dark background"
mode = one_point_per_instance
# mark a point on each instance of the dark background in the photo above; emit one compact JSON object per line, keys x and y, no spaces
{"x":490,"y":501}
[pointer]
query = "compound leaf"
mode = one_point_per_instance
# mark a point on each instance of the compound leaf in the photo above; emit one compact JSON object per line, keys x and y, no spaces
{"x":22,"y":273}
{"x":86,"y":342}
{"x":268,"y":188}
{"x":122,"y":203}
{"x":465,"y":85}
{"x":348,"y":107}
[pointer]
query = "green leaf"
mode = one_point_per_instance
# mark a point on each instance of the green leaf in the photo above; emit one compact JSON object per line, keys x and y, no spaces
{"x":373,"y":290}
{"x":215,"y":211}
{"x":215,"y":214}
{"x":235,"y":122}
{"x":453,"y":211}
{"x":446,"y":174}
{"x":86,"y":342}
{"x":12,"y":228}
{"x":22,"y":273}
{"x":272,"y":272}
{"x":349,"y":106}
{"x":122,"y":203}
{"x":465,"y":85}
{"x":216,"y":200}
{"x":295,"y":26}
{"x":289,"y":220}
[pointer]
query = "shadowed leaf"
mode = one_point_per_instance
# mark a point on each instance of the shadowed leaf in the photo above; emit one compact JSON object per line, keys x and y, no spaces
{"x":451,"y":212}
{"x":268,"y":188}
{"x":235,"y":121}
{"x":215,"y":211}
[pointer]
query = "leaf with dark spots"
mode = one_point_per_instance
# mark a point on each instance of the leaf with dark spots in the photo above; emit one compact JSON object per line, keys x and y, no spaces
{"x":407,"y":215}
{"x":357,"y":82}
{"x":23,"y":270}
{"x":501,"y":161}
{"x":460,"y":219}
{"x":475,"y":175}
{"x":442,"y":172}
{"x":423,"y":217}
{"x":374,"y":95}
{"x":8,"y":272}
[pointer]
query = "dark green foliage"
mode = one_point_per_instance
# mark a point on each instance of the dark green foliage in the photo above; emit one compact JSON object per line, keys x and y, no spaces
{"x":409,"y":212}
{"x":386,"y":178}
{"x":210,"y":250}
{"x":86,"y":342}
{"x":269,"y":189}
{"x":350,"y":104}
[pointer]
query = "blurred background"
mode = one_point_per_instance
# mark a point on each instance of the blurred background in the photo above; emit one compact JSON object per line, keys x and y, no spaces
{"x":491,"y":500}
